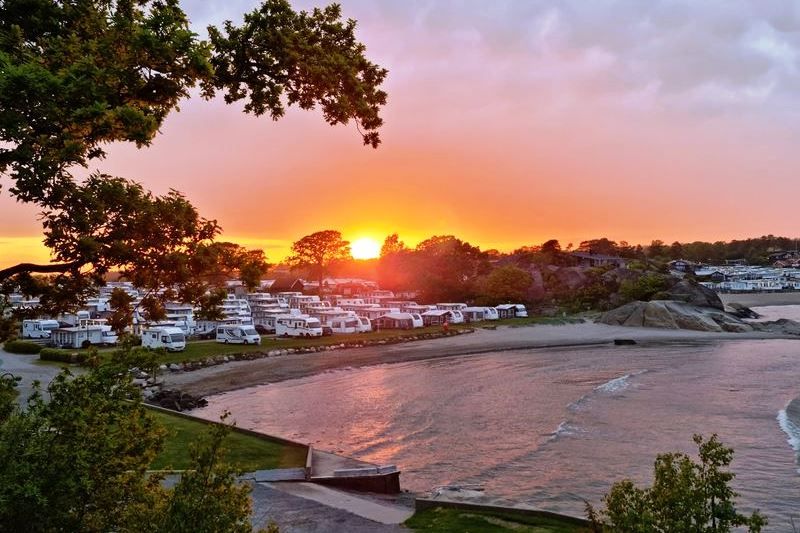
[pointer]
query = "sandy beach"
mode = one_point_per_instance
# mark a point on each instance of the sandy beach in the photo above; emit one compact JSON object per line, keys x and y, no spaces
{"x":241,"y":374}
{"x":761,"y":299}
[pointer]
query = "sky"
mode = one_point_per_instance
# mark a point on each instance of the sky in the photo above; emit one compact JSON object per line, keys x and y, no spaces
{"x":508,"y":123}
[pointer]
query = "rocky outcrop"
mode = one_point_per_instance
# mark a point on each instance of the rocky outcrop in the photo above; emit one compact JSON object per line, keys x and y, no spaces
{"x":570,"y":278}
{"x":669,"y":314}
{"x":177,"y":400}
{"x":740,"y":311}
{"x":781,"y":326}
{"x":695,"y":294}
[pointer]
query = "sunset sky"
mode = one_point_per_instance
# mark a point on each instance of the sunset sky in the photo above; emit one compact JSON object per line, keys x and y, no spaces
{"x":508,"y":123}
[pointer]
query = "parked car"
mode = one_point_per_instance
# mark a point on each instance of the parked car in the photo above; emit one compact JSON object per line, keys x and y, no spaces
{"x":207,"y":335}
{"x":264,"y":330}
{"x":327,"y":331}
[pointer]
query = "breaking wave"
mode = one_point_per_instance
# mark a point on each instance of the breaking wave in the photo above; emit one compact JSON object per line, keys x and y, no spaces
{"x":789,"y":420}
{"x":609,"y":387}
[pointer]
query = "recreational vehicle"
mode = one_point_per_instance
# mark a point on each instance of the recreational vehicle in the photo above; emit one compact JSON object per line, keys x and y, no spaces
{"x":171,"y":338}
{"x":511,"y":311}
{"x":451,"y":306}
{"x":298,"y":326}
{"x":437,"y":317}
{"x":399,"y":321}
{"x":231,"y":334}
{"x":83,"y":336}
{"x":350,"y":324}
{"x":474,"y":314}
{"x":38,"y":329}
{"x":365,"y":324}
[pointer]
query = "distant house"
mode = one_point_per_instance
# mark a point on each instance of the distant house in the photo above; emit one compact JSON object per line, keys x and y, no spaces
{"x":288,"y":284}
{"x":595,"y":260}
{"x":736,"y":262}
{"x":784,"y":255}
{"x":681,"y":265}
{"x":709,"y":274}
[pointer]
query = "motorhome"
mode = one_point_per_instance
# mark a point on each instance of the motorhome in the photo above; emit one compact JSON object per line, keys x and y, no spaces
{"x":38,"y":329}
{"x":83,"y":336}
{"x":298,"y":326}
{"x":170,"y":338}
{"x":231,"y":334}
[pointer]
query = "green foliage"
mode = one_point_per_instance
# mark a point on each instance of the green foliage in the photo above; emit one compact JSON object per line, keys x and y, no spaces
{"x":209,"y":487}
{"x":76,"y":76}
{"x":316,"y":252}
{"x":22,"y":347}
{"x":306,"y":59}
{"x":445,"y":268}
{"x":78,"y":462}
{"x":645,"y":287}
{"x":505,"y":284}
{"x":685,"y":496}
{"x":8,"y":395}
{"x":63,"y":356}
{"x":442,"y":519}
{"x":122,"y":315}
{"x":393,"y":270}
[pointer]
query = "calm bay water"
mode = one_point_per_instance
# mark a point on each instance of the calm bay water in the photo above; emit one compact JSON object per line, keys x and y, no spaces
{"x":553,"y":427}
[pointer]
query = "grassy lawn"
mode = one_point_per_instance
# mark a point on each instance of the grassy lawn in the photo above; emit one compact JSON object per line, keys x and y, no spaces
{"x":246,"y":452}
{"x":196,"y":350}
{"x":199,"y":350}
{"x":445,"y":520}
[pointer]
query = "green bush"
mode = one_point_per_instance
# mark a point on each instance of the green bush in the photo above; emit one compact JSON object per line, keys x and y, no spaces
{"x":62,"y":356}
{"x":25,"y":347}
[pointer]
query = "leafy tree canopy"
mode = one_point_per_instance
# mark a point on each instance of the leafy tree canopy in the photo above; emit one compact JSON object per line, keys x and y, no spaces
{"x":686,"y":495}
{"x":78,"y":461}
{"x":318,"y":251}
{"x":78,"y":75}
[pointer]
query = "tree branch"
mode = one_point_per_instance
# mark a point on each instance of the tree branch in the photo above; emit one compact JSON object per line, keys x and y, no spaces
{"x":40,"y":269}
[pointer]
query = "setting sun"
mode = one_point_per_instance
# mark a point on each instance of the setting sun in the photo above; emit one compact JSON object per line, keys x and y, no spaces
{"x":365,"y":248}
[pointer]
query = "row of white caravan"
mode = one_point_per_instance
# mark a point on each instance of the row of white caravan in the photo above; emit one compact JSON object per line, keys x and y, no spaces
{"x":74,"y":331}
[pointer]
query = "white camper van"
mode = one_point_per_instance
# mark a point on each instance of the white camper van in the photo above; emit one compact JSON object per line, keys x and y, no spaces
{"x":298,"y":326}
{"x":38,"y":329}
{"x":233,"y":334}
{"x":171,"y":338}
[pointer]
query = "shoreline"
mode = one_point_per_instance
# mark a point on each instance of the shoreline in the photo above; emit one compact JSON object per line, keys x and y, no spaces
{"x":760,"y":299}
{"x":250,"y":373}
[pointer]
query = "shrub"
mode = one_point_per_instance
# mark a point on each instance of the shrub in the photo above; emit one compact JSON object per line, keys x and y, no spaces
{"x":25,"y":347}
{"x":62,"y":356}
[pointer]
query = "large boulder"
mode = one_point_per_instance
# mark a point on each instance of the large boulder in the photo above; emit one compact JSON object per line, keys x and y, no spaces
{"x":781,"y":326}
{"x":618,"y":316}
{"x":669,"y":314}
{"x":571,"y":277}
{"x":658,"y":315}
{"x":695,"y":294}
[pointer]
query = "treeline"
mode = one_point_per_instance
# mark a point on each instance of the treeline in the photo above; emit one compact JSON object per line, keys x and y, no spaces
{"x":446,"y":268}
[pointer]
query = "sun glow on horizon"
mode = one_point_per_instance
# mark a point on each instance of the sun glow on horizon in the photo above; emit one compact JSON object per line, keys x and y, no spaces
{"x":365,"y":248}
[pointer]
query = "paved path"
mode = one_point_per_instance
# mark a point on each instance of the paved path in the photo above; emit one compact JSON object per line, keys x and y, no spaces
{"x":363,"y":506}
{"x":30,"y":369}
{"x":302,"y":513}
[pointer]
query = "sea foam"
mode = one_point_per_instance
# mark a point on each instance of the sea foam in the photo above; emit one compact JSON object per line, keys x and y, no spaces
{"x":789,"y":421}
